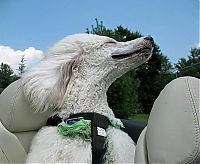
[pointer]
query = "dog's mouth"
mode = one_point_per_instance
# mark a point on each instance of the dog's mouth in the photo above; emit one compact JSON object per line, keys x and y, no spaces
{"x":145,"y":51}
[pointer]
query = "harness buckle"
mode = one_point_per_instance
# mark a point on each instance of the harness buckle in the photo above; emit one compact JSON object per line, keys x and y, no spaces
{"x":72,"y":120}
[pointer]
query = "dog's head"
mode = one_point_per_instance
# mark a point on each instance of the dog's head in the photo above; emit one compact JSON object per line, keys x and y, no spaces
{"x":83,"y":56}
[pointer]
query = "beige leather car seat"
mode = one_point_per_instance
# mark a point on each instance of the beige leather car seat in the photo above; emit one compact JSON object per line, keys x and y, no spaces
{"x":173,"y":131}
{"x":18,"y":124}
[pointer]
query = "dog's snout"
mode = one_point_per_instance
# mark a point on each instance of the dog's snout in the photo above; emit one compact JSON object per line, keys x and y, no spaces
{"x":149,"y":38}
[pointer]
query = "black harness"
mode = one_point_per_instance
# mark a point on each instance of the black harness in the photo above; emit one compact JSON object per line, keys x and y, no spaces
{"x":99,"y":124}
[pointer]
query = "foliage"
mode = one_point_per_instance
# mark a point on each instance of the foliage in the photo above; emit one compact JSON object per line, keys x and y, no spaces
{"x":122,"y":95}
{"x":153,"y":75}
{"x":189,"y":66}
{"x":140,"y":117}
{"x":6,"y":75}
{"x":22,"y":66}
{"x":100,"y":29}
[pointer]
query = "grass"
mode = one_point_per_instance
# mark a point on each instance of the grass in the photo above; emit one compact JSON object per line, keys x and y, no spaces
{"x":140,"y":117}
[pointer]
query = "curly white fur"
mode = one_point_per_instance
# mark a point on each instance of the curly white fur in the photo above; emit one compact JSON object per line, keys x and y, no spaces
{"x":74,"y":77}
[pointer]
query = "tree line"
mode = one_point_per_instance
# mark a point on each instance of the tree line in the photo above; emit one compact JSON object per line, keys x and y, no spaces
{"x":7,"y":75}
{"x":136,"y":91}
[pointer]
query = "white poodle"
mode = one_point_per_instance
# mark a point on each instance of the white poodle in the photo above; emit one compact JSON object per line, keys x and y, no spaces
{"x":73,"y":78}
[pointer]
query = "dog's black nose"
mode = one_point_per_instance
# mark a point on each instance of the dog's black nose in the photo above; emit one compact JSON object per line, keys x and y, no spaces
{"x":149,"y":38}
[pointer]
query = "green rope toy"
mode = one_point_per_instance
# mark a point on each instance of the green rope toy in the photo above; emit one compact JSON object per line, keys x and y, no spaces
{"x":81,"y":128}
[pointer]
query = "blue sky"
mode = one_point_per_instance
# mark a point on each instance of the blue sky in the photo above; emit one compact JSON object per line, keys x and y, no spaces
{"x":174,"y":24}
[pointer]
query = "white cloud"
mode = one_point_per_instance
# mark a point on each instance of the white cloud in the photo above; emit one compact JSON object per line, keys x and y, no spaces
{"x":197,"y":45}
{"x":12,"y":57}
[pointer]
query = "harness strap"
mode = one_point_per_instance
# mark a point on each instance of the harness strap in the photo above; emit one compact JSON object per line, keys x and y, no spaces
{"x":99,"y":124}
{"x":54,"y":120}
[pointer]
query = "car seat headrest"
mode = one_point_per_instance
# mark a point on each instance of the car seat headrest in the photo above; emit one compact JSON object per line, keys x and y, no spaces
{"x":173,"y":130}
{"x":15,"y":113}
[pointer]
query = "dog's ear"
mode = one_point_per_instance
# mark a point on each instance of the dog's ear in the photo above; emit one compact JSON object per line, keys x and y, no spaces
{"x":66,"y":74}
{"x":45,"y":86}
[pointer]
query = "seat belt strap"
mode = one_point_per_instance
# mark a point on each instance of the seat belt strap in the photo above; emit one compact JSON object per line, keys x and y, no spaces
{"x":99,"y":124}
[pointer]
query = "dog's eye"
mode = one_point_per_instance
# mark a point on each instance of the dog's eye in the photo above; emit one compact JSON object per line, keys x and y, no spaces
{"x":111,"y":42}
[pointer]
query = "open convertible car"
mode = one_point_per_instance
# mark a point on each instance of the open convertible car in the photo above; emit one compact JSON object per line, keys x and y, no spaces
{"x":172,"y":134}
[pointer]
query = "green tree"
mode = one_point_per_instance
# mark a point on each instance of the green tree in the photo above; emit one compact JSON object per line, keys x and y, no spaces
{"x":22,"y":66}
{"x":7,"y":75}
{"x":189,"y":66}
{"x":122,"y":95}
{"x":153,"y":75}
{"x":100,"y":29}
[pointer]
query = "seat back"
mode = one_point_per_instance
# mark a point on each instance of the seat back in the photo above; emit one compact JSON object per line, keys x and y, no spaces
{"x":173,"y":130}
{"x":16,"y":116}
